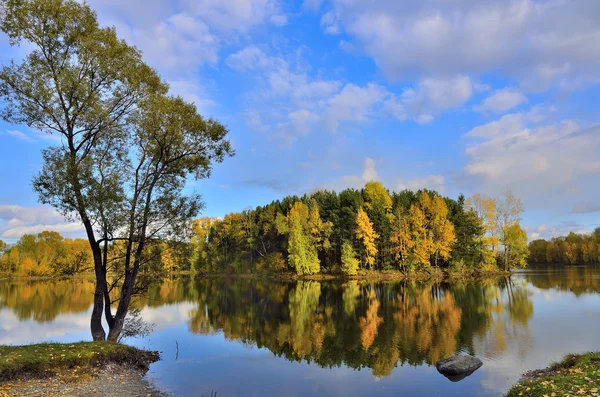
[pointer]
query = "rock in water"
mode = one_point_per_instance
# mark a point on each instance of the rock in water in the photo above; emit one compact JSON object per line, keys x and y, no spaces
{"x":458,"y":367}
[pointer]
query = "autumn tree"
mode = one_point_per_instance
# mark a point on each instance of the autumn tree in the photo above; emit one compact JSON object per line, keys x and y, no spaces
{"x":515,"y":242}
{"x":306,"y":234}
{"x":402,"y":242}
{"x":485,"y":209}
{"x":439,"y":228}
{"x":508,"y":215}
{"x":350,"y":262}
{"x":365,"y":233}
{"x":378,"y":206}
{"x":126,"y":148}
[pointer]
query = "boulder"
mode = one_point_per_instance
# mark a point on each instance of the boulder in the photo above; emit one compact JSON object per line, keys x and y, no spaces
{"x":458,"y":367}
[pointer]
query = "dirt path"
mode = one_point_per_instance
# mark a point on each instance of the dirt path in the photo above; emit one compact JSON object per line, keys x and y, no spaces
{"x":112,"y":381}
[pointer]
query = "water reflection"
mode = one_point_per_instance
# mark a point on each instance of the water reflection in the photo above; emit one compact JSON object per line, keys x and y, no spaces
{"x":363,"y":325}
{"x":513,"y":324}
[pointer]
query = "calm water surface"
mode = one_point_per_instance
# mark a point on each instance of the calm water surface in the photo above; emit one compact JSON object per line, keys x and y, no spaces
{"x":243,"y":337}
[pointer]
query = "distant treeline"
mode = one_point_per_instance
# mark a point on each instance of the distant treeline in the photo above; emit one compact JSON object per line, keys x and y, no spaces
{"x":50,"y":254}
{"x":46,"y":253}
{"x":367,"y":229}
{"x":568,"y":250}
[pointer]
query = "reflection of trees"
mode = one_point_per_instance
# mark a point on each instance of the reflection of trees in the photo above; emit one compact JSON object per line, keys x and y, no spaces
{"x":509,"y":310}
{"x":370,"y":322}
{"x":576,"y":279}
{"x":430,"y":321}
{"x":43,"y":301}
{"x":359,"y":324}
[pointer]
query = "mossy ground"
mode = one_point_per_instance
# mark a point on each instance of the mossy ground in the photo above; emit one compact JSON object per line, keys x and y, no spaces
{"x":575,"y":375}
{"x":50,"y":359}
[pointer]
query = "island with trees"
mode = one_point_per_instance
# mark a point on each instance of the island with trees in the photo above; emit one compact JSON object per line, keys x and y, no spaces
{"x":364,"y":231}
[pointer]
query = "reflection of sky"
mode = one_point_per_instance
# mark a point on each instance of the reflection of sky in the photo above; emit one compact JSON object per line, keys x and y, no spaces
{"x":561,"y":323}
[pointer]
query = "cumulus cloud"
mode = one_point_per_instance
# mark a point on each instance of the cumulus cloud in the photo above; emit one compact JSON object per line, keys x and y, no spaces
{"x":430,"y":97}
{"x":501,"y":101}
{"x":539,"y":43}
{"x":294,"y":103}
{"x":15,"y":221}
{"x":297,"y":103}
{"x":547,"y":232}
{"x":545,"y":163}
{"x":369,"y":174}
{"x":432,"y":182}
{"x":180,"y":37}
{"x":353,"y":103}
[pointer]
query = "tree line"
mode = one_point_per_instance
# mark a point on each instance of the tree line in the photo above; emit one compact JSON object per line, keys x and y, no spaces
{"x":47,"y":253}
{"x":568,"y":250}
{"x":367,"y":229}
{"x":50,"y":254}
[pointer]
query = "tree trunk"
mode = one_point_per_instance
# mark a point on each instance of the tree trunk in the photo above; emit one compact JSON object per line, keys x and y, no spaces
{"x":119,"y":319}
{"x":98,"y":333}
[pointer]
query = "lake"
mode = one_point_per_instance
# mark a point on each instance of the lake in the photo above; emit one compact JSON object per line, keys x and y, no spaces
{"x":248,"y":337}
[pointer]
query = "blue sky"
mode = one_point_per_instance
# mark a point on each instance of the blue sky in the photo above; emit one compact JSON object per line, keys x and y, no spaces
{"x":458,"y":96}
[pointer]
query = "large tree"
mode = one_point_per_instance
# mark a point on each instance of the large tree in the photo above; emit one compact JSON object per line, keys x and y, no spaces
{"x":508,"y":217}
{"x":126,"y":148}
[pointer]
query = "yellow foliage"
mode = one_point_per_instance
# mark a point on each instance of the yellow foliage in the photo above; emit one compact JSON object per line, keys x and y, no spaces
{"x":365,"y":233}
{"x":369,"y":324}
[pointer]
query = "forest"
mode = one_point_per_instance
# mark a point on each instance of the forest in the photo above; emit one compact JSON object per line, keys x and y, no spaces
{"x":371,"y":229}
{"x":350,"y":232}
{"x":50,"y":254}
{"x":568,"y":250}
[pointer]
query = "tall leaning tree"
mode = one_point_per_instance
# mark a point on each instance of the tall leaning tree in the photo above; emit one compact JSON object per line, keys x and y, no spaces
{"x":126,"y":148}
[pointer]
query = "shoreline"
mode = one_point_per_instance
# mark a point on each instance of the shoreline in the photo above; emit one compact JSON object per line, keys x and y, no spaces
{"x":385,"y":275}
{"x":81,"y":368}
{"x":389,"y":275}
{"x":576,"y":374}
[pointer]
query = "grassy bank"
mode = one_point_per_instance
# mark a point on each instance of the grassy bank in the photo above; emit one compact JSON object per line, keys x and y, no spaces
{"x":51,"y":359}
{"x":575,"y":375}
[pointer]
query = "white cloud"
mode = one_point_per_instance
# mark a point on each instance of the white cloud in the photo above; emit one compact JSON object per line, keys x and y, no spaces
{"x":295,"y":103}
{"x":353,"y":103}
{"x":250,"y":58}
{"x":430,"y":97}
{"x":539,"y":43}
{"x":180,"y":37}
{"x":432,"y":182}
{"x":192,"y":91}
{"x":19,"y":135}
{"x":15,"y":221}
{"x":369,"y":174}
{"x":546,"y":165}
{"x":501,"y":101}
{"x":17,"y":232}
{"x":546,"y":232}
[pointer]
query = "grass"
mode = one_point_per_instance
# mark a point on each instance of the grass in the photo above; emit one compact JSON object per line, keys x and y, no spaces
{"x":49,"y":359}
{"x":575,"y":375}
